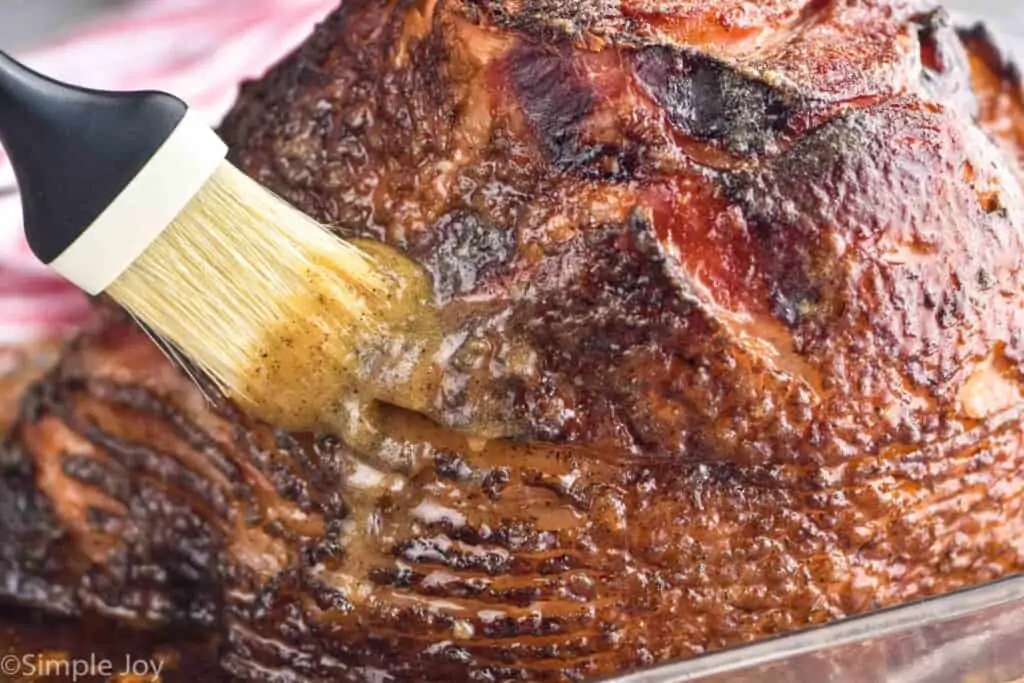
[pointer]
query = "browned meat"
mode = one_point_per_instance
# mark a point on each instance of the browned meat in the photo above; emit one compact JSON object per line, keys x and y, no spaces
{"x":740,"y":282}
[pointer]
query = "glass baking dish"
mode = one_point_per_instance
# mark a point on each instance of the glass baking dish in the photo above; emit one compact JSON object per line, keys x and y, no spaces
{"x":974,"y":636}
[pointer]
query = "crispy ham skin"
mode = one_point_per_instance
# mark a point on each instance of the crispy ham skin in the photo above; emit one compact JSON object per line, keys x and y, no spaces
{"x":733,"y":297}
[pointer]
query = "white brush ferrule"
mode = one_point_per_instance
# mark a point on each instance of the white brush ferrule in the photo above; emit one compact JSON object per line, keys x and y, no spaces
{"x":156,"y":196}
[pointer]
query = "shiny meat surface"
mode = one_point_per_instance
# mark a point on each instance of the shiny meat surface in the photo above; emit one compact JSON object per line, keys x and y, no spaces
{"x":740,"y":284}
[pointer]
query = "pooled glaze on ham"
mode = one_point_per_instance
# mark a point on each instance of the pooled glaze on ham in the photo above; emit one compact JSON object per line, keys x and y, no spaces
{"x":741,"y":283}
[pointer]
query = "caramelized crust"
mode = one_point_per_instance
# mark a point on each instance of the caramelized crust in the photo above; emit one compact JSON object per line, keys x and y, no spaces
{"x":738,"y":286}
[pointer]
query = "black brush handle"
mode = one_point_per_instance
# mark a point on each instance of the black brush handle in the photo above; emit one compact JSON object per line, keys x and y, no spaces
{"x":74,"y":150}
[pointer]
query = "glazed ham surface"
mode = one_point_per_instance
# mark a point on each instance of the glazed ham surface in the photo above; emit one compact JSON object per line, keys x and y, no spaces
{"x":734,"y":295}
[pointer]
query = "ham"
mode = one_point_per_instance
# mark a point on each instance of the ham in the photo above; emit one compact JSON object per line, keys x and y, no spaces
{"x":733,"y":299}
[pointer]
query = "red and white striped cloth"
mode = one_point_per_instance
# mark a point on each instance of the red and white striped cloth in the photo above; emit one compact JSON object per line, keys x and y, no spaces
{"x":197,"y":49}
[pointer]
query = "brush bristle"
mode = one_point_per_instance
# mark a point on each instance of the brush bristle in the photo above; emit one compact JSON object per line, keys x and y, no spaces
{"x":240,"y":264}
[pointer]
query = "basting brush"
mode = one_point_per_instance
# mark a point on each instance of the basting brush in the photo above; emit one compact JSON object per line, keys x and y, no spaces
{"x":130,"y":194}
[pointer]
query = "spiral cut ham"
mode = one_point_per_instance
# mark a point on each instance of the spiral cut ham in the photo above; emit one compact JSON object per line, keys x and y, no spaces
{"x":732,"y":297}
